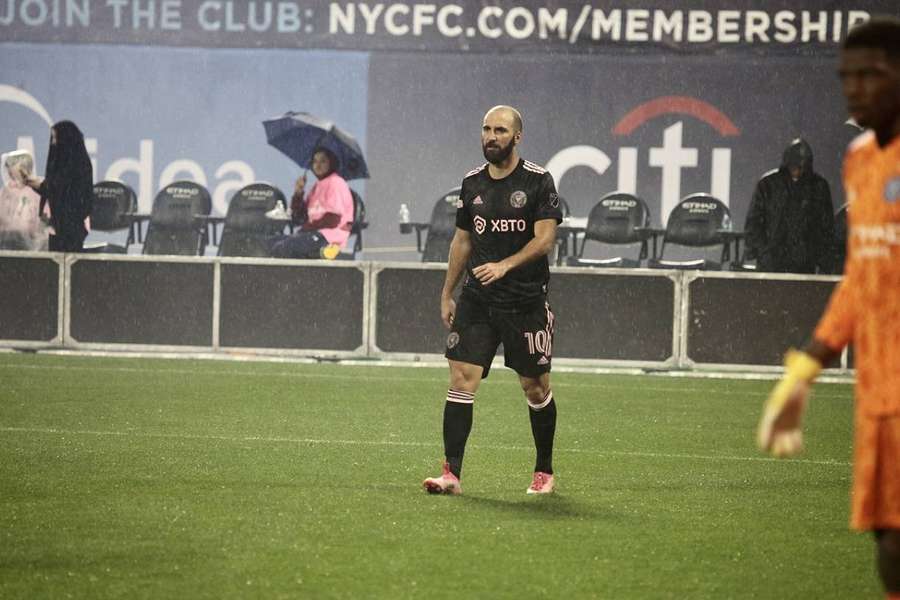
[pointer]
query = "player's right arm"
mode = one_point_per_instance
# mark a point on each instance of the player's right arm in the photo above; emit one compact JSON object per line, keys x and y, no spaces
{"x":460,"y":249}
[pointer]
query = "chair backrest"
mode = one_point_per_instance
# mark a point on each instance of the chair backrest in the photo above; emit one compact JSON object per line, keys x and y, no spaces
{"x":174,"y":228}
{"x":441,"y":228}
{"x":615,"y":217}
{"x":697,"y":221}
{"x":358,"y":224}
{"x":246,"y":226}
{"x":113,"y":200}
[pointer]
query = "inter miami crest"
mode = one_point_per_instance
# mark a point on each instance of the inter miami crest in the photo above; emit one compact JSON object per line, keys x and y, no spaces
{"x":452,"y":340}
{"x":518,"y":199}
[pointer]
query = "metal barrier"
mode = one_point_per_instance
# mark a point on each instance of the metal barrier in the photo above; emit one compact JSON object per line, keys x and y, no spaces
{"x":613,"y":317}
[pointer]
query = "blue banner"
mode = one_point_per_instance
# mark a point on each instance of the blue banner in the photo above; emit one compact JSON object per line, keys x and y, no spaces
{"x":152,"y":116}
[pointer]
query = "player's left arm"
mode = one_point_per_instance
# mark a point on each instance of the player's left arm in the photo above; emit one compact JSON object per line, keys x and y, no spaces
{"x":540,"y":245}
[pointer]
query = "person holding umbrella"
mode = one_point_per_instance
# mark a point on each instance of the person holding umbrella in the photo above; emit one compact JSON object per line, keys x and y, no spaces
{"x":324,"y":215}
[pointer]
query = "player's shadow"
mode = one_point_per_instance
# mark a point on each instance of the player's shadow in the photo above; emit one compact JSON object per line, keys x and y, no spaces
{"x":549,"y":507}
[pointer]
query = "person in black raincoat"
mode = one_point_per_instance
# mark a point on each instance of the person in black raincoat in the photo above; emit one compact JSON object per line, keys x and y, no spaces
{"x":67,"y":187}
{"x":790,"y":224}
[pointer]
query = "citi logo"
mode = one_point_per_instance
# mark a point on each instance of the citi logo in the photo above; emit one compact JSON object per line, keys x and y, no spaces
{"x":671,"y":157}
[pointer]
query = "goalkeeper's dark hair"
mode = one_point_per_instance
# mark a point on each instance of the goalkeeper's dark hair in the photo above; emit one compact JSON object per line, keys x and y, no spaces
{"x":880,"y":33}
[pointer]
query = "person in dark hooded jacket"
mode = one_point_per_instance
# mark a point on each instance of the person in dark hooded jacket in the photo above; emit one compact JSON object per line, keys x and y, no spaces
{"x":790,"y":225}
{"x":67,"y":187}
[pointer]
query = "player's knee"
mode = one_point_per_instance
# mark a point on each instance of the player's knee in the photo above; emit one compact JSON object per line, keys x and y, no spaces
{"x":465,"y":378}
{"x":538,"y":396}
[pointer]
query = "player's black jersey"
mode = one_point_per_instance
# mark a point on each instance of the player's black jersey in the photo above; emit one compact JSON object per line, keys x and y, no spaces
{"x":500,"y":214}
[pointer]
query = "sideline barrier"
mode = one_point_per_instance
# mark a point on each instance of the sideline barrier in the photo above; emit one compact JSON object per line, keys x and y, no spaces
{"x":604,"y":318}
{"x":32,"y":299}
{"x":738,"y":319}
{"x":294,"y":307}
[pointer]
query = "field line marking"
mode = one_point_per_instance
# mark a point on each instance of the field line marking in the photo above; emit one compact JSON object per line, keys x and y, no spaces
{"x":314,"y":441}
{"x":442,"y":379}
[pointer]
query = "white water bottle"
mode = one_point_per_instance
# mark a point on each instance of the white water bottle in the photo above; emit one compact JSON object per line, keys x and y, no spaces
{"x":405,"y":225}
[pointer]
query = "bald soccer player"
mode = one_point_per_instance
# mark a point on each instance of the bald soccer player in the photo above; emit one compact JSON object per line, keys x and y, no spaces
{"x":506,"y":221}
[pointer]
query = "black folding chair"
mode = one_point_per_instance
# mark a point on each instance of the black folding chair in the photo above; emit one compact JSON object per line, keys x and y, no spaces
{"x":178,"y":220}
{"x":113,"y":210}
{"x":247,"y":229}
{"x":441,"y":228}
{"x":354,"y":244}
{"x":618,"y":219}
{"x":699,"y":221}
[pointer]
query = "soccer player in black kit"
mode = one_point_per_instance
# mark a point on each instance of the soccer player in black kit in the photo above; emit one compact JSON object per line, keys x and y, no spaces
{"x":506,"y":221}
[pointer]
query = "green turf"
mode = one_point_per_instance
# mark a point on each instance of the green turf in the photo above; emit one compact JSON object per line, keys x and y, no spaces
{"x":207,"y":479}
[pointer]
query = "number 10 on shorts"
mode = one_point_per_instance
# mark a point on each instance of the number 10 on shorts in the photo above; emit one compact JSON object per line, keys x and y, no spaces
{"x":538,"y":342}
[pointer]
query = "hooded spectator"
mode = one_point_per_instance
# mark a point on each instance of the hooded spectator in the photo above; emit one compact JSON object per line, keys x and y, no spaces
{"x":790,"y":225}
{"x":67,"y":187}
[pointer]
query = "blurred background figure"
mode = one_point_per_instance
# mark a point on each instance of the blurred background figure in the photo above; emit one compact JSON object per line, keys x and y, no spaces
{"x":790,"y":224}
{"x":21,"y":227}
{"x":324,"y":215}
{"x":67,"y":187}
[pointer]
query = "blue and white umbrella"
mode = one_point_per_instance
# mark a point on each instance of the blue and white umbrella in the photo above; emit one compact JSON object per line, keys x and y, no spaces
{"x":298,"y":135}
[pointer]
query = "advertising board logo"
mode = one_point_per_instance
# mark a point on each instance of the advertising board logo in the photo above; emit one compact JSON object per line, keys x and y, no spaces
{"x":13,"y":94}
{"x":480,"y":224}
{"x":671,"y":157}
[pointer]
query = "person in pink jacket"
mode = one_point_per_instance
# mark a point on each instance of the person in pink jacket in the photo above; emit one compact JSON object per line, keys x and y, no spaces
{"x":21,"y":227}
{"x":322,"y":217}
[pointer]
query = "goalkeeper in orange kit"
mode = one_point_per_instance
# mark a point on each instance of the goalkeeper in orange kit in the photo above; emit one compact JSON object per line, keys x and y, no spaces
{"x":865,"y":306}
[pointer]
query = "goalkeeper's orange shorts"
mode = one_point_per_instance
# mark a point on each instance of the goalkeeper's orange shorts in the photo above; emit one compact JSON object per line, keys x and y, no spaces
{"x":876,"y":473}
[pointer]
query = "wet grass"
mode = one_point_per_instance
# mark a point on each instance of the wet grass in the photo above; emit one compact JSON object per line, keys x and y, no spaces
{"x":205,"y":479}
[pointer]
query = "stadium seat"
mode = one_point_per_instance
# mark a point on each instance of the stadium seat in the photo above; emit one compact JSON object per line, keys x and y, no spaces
{"x":699,"y":221}
{"x":354,"y":243}
{"x":247,"y":228}
{"x":441,"y":228}
{"x":617,"y":219}
{"x":113,"y":210}
{"x":178,"y":220}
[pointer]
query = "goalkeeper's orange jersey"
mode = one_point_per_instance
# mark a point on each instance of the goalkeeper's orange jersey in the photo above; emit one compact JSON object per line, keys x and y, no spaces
{"x":865,"y":306}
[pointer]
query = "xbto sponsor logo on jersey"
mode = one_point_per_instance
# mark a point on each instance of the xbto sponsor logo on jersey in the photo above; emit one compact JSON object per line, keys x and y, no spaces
{"x":508,"y":225}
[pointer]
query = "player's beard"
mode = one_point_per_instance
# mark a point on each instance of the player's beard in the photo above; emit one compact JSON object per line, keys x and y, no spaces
{"x":497,"y":154}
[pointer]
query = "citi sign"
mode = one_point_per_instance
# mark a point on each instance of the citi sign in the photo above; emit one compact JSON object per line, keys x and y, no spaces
{"x":671,"y":156}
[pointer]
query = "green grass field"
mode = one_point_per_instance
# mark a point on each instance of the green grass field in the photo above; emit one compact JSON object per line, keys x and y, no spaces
{"x":143,"y":478}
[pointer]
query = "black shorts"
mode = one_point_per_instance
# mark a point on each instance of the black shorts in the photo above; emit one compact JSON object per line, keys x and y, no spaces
{"x":479,"y":329}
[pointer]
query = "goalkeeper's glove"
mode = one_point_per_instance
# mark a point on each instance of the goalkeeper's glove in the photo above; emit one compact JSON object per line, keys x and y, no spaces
{"x":779,"y":429}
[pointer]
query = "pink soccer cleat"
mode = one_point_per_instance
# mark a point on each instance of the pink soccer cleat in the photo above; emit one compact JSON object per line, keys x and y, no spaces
{"x":447,"y":483}
{"x":541,"y":483}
